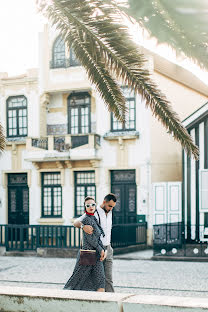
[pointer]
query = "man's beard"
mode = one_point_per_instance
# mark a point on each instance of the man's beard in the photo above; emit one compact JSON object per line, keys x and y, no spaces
{"x":106,"y":211}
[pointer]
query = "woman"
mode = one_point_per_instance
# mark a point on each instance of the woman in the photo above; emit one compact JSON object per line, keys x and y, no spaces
{"x":90,"y":277}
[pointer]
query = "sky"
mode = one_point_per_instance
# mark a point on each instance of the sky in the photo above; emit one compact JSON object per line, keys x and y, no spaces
{"x":19,"y":28}
{"x":20,"y":24}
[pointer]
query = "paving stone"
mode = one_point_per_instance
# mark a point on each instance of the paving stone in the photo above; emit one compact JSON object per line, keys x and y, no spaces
{"x":136,"y":276}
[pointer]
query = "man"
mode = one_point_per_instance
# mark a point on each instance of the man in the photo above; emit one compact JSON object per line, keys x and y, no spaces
{"x":104,"y":217}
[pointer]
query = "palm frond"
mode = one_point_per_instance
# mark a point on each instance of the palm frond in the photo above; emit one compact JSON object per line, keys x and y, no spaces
{"x":180,"y":24}
{"x":105,"y":42}
{"x":90,"y":58}
{"x":2,"y":139}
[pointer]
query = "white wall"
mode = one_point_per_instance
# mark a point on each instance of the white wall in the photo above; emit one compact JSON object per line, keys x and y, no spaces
{"x":5,"y":164}
{"x":35,"y":198}
{"x":33,"y":114}
{"x":68,"y":197}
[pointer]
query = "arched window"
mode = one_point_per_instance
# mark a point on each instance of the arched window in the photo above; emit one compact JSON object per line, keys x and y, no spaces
{"x":79,"y":113}
{"x":59,"y":58}
{"x":17,"y":116}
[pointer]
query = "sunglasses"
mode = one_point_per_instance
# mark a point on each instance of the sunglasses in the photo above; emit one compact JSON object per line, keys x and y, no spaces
{"x":90,"y":205}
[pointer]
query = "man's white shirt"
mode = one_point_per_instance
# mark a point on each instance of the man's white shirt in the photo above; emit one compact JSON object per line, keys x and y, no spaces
{"x":105,"y":222}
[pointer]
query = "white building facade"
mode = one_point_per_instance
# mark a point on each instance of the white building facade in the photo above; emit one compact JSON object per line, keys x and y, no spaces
{"x":63,"y":144}
{"x":195,"y":178}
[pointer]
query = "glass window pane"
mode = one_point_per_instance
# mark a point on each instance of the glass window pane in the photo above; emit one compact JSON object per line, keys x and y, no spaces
{"x":10,"y":122}
{"x":130,"y":115}
{"x":85,"y":177}
{"x":74,"y":121}
{"x":51,"y":178}
{"x":57,"y":200}
{"x":84,"y":119}
{"x":24,"y":131}
{"x":52,"y":195}
{"x":17,"y":101}
{"x":84,"y":186}
{"x":73,"y":60}
{"x":80,"y":196}
{"x":80,"y":112}
{"x":128,"y":93}
{"x":117,"y":125}
{"x":47,"y":201}
{"x":24,"y":122}
{"x":16,"y":112}
{"x":10,"y":113}
{"x":91,"y":191}
{"x":59,"y":53}
{"x":20,"y":122}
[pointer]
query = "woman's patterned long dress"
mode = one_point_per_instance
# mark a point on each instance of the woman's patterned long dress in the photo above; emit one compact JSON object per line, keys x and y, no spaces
{"x":89,"y":277}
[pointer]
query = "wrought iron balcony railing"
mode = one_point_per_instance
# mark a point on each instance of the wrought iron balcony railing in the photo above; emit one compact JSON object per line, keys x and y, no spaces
{"x":40,"y":143}
{"x":65,"y":142}
{"x":60,"y":144}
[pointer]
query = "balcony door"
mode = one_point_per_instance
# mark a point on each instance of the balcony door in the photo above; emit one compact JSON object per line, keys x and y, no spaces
{"x":79,"y":113}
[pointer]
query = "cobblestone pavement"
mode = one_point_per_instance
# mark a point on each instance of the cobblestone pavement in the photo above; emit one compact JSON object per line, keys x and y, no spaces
{"x":130,"y":276}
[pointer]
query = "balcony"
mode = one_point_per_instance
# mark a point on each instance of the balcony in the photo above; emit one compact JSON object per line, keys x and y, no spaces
{"x":62,"y":148}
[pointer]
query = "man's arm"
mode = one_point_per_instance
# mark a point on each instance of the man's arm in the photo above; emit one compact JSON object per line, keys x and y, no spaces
{"x":78,"y":223}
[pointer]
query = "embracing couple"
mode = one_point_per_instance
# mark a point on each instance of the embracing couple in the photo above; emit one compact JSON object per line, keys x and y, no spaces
{"x":96,"y":224}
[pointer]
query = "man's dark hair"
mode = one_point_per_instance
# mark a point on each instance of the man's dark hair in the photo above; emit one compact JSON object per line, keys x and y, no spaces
{"x":109,"y":197}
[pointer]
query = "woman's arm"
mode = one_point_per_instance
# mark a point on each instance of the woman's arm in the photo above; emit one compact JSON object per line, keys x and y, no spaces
{"x":91,"y":238}
{"x":78,"y":223}
{"x":93,"y":241}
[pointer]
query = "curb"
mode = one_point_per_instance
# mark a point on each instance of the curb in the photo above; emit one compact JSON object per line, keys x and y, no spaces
{"x":131,"y":258}
{"x":188,"y":259}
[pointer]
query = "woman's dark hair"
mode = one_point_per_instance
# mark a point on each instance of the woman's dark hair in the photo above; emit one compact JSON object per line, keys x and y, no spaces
{"x":109,"y":197}
{"x":87,"y":198}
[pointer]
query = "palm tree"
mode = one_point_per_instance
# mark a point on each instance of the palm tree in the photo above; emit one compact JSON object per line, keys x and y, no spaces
{"x":103,"y":45}
{"x":179,"y":23}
